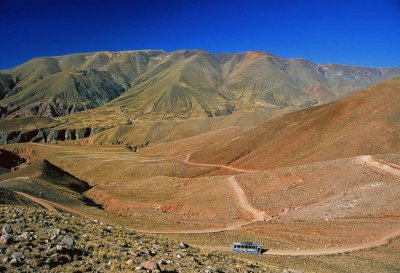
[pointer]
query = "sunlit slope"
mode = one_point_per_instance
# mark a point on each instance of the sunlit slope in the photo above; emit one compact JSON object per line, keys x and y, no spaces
{"x":64,"y":93}
{"x":181,"y":84}
{"x":59,"y":86}
{"x":366,"y":122}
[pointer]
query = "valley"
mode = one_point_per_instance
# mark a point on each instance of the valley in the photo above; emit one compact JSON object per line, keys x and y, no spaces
{"x":210,"y":149}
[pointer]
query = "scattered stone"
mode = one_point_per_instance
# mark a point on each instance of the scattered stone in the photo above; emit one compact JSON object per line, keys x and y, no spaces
{"x":6,"y":239}
{"x":68,"y":241}
{"x":17,"y":255}
{"x":55,"y":232}
{"x":78,"y":245}
{"x":7,"y":229}
{"x":183,"y":245}
{"x":109,"y":229}
{"x":20,"y":221}
{"x":24,"y":235}
{"x":150,"y":265}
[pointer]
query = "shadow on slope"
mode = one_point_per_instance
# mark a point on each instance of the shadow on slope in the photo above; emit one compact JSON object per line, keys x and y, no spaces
{"x":8,"y":197}
{"x":9,"y":160}
{"x":47,"y":181}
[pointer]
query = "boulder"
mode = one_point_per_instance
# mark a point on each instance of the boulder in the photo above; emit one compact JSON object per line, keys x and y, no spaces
{"x":6,"y":239}
{"x":7,"y":229}
{"x":17,"y":255}
{"x":150,"y":265}
{"x":183,"y":245}
{"x":68,"y":241}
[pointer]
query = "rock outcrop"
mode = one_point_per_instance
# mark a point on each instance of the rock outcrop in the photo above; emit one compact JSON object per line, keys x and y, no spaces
{"x":47,"y":135}
{"x":61,"y":94}
{"x":9,"y":160}
{"x":6,"y":85}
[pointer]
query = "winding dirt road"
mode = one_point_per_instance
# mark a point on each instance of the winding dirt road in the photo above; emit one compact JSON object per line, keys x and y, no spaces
{"x":259,"y":215}
{"x":244,"y":204}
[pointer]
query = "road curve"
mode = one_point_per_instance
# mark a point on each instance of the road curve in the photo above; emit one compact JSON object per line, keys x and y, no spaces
{"x":244,"y":203}
{"x":382,"y":240}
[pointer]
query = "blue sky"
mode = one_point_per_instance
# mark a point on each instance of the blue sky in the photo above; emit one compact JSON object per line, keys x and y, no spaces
{"x":348,"y":32}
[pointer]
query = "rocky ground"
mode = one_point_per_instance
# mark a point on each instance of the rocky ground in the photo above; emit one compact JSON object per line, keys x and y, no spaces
{"x":35,"y":240}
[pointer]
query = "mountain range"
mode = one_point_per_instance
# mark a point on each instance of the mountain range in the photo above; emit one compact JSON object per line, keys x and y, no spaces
{"x":151,"y":84}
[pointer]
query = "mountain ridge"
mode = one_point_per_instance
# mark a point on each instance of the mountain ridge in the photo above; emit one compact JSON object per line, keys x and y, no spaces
{"x":184,"y":83}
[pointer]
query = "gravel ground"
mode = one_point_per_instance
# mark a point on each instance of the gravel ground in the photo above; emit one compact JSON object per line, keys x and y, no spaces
{"x":34,"y":240}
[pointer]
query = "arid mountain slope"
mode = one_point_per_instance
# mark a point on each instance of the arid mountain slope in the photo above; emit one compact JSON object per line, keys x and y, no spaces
{"x":366,"y":122}
{"x":58,"y":86}
{"x":180,"y":84}
{"x":63,"y":93}
{"x":6,"y":85}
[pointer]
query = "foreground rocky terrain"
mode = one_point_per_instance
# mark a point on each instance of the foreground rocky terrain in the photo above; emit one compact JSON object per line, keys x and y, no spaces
{"x":34,"y":240}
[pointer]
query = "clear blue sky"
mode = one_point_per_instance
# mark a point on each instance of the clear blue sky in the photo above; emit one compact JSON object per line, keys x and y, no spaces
{"x":332,"y":31}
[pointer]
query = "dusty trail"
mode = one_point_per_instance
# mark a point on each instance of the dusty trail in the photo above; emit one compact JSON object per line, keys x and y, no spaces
{"x":382,"y":240}
{"x":187,"y":161}
{"x":38,"y":201}
{"x":52,"y":207}
{"x":379,"y":164}
{"x":244,"y":203}
{"x":18,"y":177}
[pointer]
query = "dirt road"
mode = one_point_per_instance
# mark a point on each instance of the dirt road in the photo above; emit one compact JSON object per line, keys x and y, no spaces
{"x":379,"y":164}
{"x":51,"y":206}
{"x":244,"y":203}
{"x":187,"y":160}
{"x":382,"y":240}
{"x":38,"y":201}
